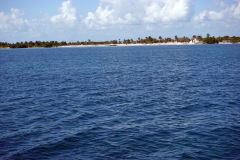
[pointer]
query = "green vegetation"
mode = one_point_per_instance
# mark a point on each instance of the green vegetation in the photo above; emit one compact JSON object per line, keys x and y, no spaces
{"x":147,"y":40}
{"x":210,"y":40}
{"x":36,"y":44}
{"x":4,"y":45}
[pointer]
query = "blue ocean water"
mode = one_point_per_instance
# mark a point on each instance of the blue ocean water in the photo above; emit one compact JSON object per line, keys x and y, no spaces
{"x":149,"y":102}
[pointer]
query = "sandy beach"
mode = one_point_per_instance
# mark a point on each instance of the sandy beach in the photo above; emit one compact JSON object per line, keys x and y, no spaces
{"x":126,"y":45}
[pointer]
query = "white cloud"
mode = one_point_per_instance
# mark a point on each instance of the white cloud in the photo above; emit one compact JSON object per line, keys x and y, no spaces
{"x":122,"y":12}
{"x":201,"y":16}
{"x":14,"y":27}
{"x":226,"y":13}
{"x":158,"y":11}
{"x":213,"y":15}
{"x":67,"y":14}
{"x":220,"y":3}
{"x":111,"y":13}
{"x":122,"y":19}
{"x":235,"y":9}
{"x":13,"y":22}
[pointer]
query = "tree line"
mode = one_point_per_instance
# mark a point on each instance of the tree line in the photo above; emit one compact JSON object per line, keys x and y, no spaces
{"x":31,"y":44}
{"x":147,"y":40}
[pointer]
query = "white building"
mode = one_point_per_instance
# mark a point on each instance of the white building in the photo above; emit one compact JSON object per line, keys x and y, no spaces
{"x":195,"y":41}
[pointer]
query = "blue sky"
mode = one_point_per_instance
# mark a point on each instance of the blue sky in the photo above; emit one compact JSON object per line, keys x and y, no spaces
{"x":100,"y":20}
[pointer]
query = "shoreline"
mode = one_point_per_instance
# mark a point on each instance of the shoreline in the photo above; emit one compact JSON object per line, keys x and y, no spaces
{"x":124,"y":45}
{"x":130,"y":45}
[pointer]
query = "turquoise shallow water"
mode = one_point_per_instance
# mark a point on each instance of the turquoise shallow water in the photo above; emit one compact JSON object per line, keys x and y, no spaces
{"x":150,"y":102}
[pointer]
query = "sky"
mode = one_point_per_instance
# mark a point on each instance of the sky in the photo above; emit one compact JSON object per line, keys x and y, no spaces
{"x":102,"y":20}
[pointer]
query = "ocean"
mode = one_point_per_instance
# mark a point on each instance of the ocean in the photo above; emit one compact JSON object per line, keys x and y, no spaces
{"x":145,"y":102}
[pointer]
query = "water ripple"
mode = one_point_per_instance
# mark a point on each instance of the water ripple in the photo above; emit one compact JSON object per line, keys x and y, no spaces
{"x":159,"y":102}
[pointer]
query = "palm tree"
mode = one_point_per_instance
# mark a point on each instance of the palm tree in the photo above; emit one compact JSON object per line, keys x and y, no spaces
{"x":194,"y":37}
{"x":176,"y":38}
{"x":199,"y":38}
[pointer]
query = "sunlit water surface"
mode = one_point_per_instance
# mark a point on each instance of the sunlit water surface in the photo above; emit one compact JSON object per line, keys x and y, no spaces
{"x":150,"y":102}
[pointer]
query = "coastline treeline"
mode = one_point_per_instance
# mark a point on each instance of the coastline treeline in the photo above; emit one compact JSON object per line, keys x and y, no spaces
{"x":147,"y":40}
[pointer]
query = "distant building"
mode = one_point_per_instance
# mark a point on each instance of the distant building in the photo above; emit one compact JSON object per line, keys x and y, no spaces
{"x":195,"y":41}
{"x":225,"y":42}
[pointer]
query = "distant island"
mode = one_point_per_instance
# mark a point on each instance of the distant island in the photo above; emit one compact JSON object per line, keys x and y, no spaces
{"x":140,"y":41}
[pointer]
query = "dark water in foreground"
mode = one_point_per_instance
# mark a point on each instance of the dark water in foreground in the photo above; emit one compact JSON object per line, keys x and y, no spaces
{"x":153,"y":102}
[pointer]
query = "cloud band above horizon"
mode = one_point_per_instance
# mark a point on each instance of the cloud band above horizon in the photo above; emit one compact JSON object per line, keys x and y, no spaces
{"x":122,"y":15}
